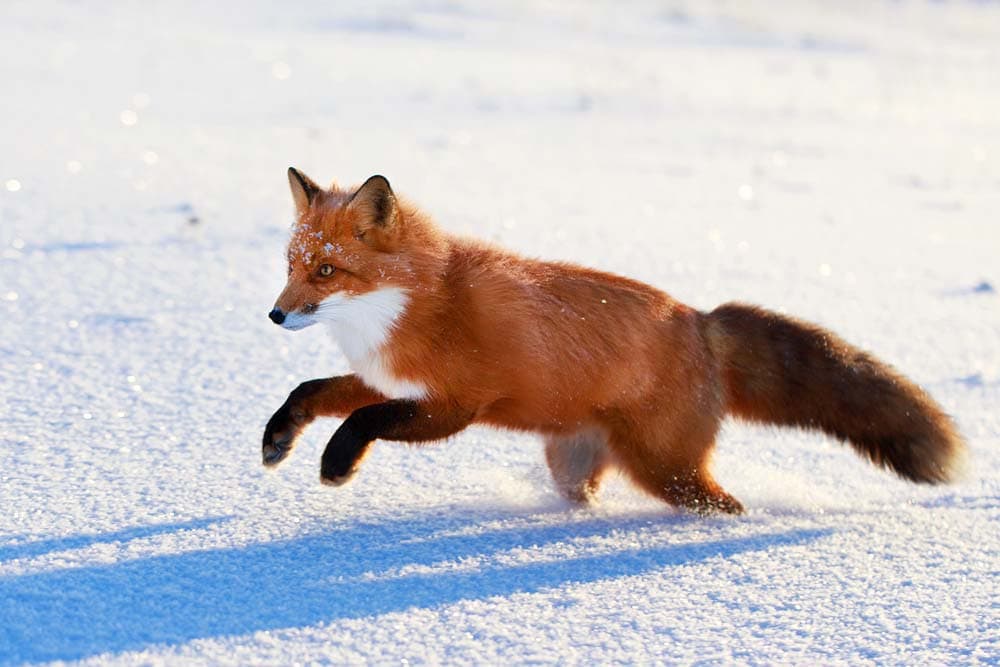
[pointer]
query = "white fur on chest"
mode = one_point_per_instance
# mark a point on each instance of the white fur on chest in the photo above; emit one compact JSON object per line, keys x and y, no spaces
{"x":372,"y":369}
{"x":361,"y":325}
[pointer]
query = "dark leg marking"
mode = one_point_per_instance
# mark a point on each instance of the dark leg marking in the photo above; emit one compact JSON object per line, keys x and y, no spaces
{"x":327,"y":397}
{"x":400,"y":420}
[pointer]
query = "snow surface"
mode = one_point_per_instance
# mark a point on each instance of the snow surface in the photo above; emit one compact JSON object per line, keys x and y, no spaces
{"x":840,"y":161}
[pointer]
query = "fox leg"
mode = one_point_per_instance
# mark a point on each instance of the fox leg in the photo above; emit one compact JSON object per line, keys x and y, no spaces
{"x":399,"y":420}
{"x":328,"y":397}
{"x":696,"y":490}
{"x":684,"y":485}
{"x":578,"y":462}
{"x":674,"y":466}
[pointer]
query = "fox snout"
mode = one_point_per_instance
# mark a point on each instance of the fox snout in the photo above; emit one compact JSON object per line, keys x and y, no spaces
{"x":296,"y":318}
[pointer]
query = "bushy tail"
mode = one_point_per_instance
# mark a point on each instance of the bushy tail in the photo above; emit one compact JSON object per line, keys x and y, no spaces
{"x":779,"y":370}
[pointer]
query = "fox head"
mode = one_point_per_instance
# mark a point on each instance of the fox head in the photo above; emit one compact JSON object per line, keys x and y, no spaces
{"x":348,"y":266}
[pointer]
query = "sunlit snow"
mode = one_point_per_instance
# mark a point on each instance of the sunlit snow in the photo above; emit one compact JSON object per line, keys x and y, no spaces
{"x":837,"y":161}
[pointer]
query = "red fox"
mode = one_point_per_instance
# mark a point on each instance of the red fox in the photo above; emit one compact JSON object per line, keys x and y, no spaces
{"x":443,"y":332}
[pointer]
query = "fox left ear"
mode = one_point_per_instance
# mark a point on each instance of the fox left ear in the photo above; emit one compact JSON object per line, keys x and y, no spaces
{"x":304,"y":190}
{"x":375,"y":204}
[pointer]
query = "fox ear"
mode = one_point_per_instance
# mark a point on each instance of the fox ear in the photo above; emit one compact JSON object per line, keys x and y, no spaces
{"x":304,"y":190}
{"x":375,"y":204}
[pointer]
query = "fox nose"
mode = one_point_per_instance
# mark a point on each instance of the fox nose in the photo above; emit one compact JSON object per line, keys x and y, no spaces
{"x":277,"y":316}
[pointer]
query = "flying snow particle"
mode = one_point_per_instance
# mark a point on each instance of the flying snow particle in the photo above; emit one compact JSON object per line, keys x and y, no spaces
{"x":281,"y":71}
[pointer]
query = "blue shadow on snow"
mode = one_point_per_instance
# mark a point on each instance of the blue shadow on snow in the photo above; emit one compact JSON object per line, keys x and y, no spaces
{"x":172,"y":599}
{"x":10,"y":551}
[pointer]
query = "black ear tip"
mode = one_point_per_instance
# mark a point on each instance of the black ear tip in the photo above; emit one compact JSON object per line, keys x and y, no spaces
{"x":297,"y":176}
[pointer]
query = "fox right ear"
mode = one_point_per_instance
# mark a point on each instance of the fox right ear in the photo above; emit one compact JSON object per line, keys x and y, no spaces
{"x":376,"y":204}
{"x":304,"y":190}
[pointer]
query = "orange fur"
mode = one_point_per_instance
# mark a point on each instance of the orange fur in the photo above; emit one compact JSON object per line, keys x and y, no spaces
{"x":610,"y":370}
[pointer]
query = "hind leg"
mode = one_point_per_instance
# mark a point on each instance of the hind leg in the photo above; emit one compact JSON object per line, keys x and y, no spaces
{"x":674,"y":466}
{"x":578,"y":462}
{"x":684,"y":485}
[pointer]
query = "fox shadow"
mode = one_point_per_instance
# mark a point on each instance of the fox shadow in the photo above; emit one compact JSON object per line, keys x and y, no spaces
{"x":346,"y":573}
{"x":39,"y":547}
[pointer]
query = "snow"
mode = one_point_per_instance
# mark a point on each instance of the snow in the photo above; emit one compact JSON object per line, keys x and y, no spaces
{"x":836,"y":161}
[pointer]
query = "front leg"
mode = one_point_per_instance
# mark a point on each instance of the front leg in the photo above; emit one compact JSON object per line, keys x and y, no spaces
{"x":328,"y":397}
{"x":400,"y":420}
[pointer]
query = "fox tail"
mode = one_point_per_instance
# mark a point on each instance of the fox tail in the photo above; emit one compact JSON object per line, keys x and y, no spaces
{"x":783,"y":371}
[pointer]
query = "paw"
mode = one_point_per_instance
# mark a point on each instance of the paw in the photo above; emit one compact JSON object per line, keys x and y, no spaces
{"x":582,"y":496}
{"x":279,"y":437}
{"x":343,"y":455}
{"x":338,"y":470}
{"x":721,"y":503}
{"x":276,"y":451}
{"x":337,"y":479}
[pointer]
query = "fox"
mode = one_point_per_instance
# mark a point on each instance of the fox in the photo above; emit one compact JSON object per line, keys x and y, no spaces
{"x":443,"y":332}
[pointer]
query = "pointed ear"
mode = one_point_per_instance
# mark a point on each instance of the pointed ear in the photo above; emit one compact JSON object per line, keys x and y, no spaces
{"x":375,"y":205}
{"x":304,"y":190}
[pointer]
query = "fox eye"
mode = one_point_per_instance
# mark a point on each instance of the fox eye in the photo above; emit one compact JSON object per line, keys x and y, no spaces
{"x":326,"y":270}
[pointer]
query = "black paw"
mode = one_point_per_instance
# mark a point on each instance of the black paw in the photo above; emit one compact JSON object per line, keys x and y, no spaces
{"x":275,"y":452}
{"x":337,"y":479}
{"x":279,"y":436}
{"x":343,"y":455}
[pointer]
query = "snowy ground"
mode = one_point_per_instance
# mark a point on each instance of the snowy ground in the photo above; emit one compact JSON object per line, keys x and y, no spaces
{"x":840,"y":161}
